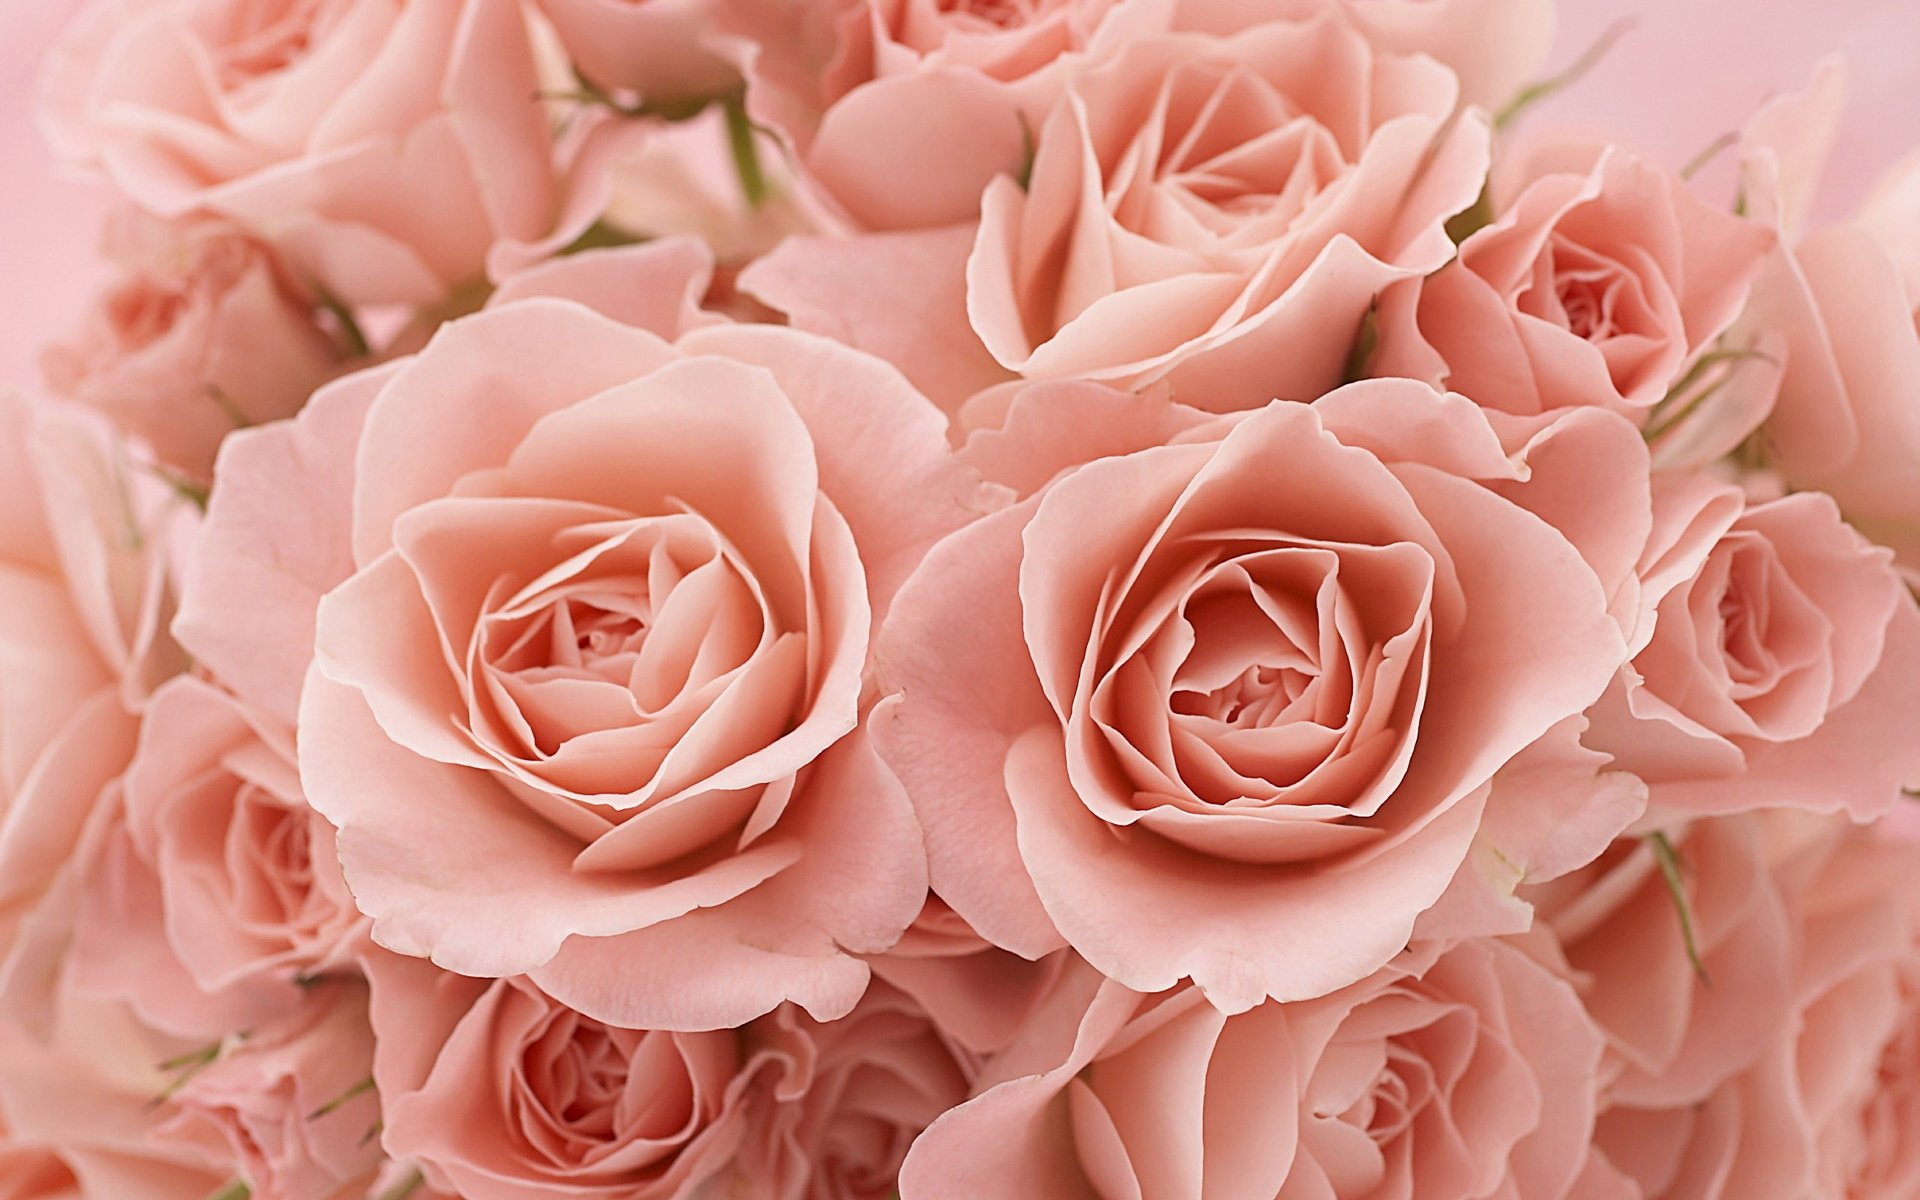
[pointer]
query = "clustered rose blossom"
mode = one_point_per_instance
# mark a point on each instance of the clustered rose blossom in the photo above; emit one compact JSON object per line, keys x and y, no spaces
{"x":951,"y":600}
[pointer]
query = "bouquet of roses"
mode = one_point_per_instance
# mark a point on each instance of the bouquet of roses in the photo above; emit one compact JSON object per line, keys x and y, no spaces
{"x":1042,"y":600}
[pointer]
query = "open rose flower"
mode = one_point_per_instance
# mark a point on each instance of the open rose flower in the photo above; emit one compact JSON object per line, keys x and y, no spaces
{"x":1780,"y":663}
{"x":1219,"y":211}
{"x":1598,"y":283}
{"x":86,"y":545}
{"x":203,"y":332}
{"x":948,"y":96}
{"x":1469,"y":1075}
{"x":1689,"y":984}
{"x":501,"y":1093}
{"x":901,"y":111}
{"x":1830,"y":1104}
{"x":586,"y":707}
{"x":220,"y":884}
{"x":1847,"y":418}
{"x":383,"y":147}
{"x":288,"y":1107}
{"x":139,"y":1107}
{"x":1227,"y":708}
{"x":91,"y":1096}
{"x":136,"y":1110}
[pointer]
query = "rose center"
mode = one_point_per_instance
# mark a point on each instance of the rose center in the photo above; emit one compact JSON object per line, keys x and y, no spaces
{"x":1252,"y":699}
{"x":272,"y":871}
{"x":587,"y":635}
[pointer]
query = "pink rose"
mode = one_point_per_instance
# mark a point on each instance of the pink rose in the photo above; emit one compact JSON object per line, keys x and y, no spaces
{"x":86,"y":539}
{"x":85,"y":1072}
{"x":901,"y":111}
{"x":1219,"y":211}
{"x":1598,"y":283}
{"x":501,"y":1092}
{"x":137,"y":1112}
{"x":1199,"y":717}
{"x":289,"y":1109}
{"x":1466,"y":1075}
{"x":1615,"y":928}
{"x":586,"y":706}
{"x":202,"y":333}
{"x":662,"y":49}
{"x":77,"y":1115}
{"x":1847,"y":418}
{"x":905,"y":290}
{"x":1830,"y":1104}
{"x":1779,"y":663}
{"x":383,"y":147}
{"x":221,"y":883}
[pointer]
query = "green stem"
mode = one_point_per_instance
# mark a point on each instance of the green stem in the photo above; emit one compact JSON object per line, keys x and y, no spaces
{"x":343,"y":1099}
{"x":349,"y":328}
{"x":1711,"y":151}
{"x":746,"y":156}
{"x":1535,"y":92}
{"x":408,"y":1184}
{"x":1668,"y":860}
{"x":1365,"y":342}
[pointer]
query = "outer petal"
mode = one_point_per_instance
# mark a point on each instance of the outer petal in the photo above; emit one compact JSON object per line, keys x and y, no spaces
{"x":1149,"y":914}
{"x":276,"y":539}
{"x":881,"y":446}
{"x":471,"y":396}
{"x":964,"y":691}
{"x":656,"y":286}
{"x":452,"y":867}
{"x":859,"y":880}
{"x":901,"y":296}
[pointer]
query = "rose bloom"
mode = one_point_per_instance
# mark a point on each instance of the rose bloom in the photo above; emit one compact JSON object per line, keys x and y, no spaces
{"x":591,"y":650}
{"x":1782,"y":650}
{"x":1469,"y":1074}
{"x":86,"y":545}
{"x":1847,"y":418}
{"x":287,"y":1108}
{"x":1185,"y":231}
{"x":1220,"y":210}
{"x":202,"y":332}
{"x":1826,"y":1100}
{"x":87,"y":1097}
{"x":1597,"y":283}
{"x":874,"y":92}
{"x":147,"y":1093}
{"x":901,"y":111}
{"x":1198,"y":717}
{"x":1614,"y":928}
{"x":219,"y":883}
{"x":383,"y":147}
{"x":499,"y":1092}
{"x":138,"y":1111}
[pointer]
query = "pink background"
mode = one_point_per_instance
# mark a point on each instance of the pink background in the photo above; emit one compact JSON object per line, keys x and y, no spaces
{"x":1690,"y":71}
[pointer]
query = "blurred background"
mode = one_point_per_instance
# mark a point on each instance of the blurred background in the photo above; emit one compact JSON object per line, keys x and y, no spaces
{"x":1688,"y":72}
